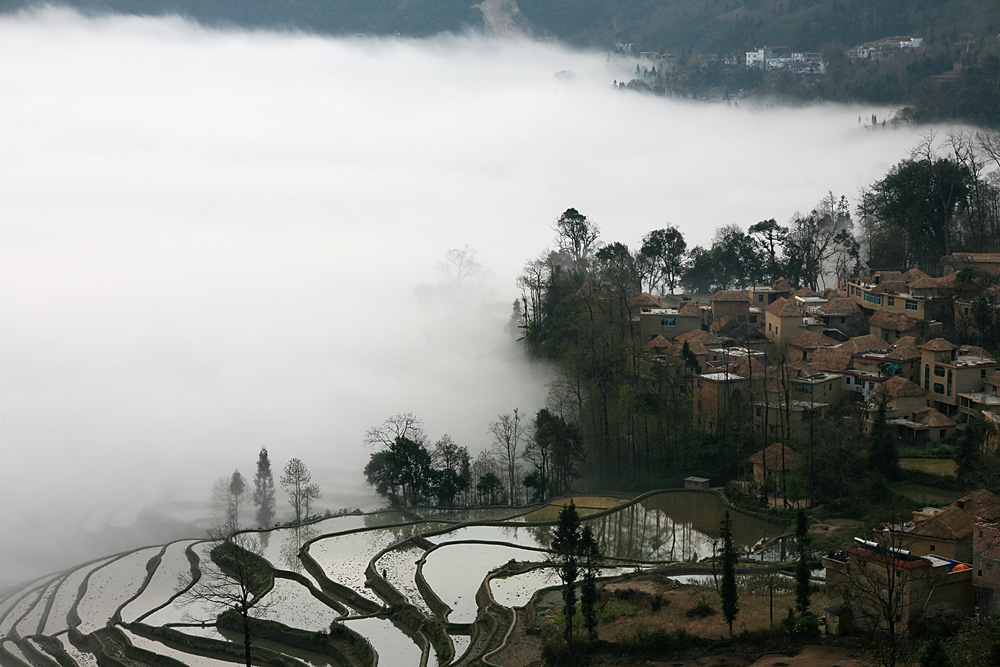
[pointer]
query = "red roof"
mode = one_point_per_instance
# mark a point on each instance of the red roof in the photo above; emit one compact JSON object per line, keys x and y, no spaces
{"x":777,"y":457}
{"x":938,"y":345}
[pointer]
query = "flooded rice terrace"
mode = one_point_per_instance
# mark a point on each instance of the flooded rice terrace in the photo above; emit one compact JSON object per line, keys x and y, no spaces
{"x":396,"y":587}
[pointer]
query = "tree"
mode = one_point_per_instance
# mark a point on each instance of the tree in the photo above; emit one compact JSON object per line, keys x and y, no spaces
{"x":297,"y":483}
{"x":402,"y":473}
{"x":509,"y":431}
{"x":728,"y":591}
{"x":239,"y":583}
{"x":883,"y":457}
{"x":263,"y":490}
{"x":237,"y":485}
{"x":565,"y":550}
{"x":661,"y":258}
{"x":770,"y":237}
{"x":452,"y":470}
{"x":803,"y":568}
{"x":576,"y":235}
{"x":815,"y":239}
{"x":590,"y":559}
{"x":399,"y":425}
{"x":490,"y":488}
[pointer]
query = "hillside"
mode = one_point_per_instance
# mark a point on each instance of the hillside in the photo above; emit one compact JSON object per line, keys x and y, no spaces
{"x":955,"y":76}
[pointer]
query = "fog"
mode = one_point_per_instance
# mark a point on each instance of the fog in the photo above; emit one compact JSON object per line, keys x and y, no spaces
{"x":217,"y":241}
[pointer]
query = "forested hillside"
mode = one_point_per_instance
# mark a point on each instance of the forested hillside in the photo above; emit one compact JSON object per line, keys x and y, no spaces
{"x":956,"y":76}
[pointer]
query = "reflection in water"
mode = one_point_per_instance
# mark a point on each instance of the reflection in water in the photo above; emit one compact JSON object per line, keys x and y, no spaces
{"x":673,"y":527}
{"x":292,"y":545}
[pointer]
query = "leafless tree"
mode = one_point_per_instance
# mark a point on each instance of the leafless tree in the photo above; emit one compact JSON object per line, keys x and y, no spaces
{"x":297,"y":483}
{"x":239,"y":584}
{"x":509,"y":432}
{"x":399,"y":425}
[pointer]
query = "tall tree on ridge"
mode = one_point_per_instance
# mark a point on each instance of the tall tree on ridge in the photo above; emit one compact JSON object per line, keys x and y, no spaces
{"x":263,"y":490}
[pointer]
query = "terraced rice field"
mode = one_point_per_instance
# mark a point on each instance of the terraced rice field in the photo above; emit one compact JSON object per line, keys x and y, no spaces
{"x":354,"y":585}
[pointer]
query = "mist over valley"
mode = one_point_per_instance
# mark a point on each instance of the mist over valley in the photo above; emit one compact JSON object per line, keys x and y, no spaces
{"x":221,"y":240}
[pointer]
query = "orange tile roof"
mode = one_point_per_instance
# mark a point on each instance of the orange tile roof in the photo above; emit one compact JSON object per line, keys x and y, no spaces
{"x":951,"y":523}
{"x":903,"y":352}
{"x":899,"y":387}
{"x":865,"y":343}
{"x":804,"y":291}
{"x":699,"y":335}
{"x":938,"y":345}
{"x":932,"y":418}
{"x":688,"y":309}
{"x":831,"y":359}
{"x":840,"y":305}
{"x":730,"y":295}
{"x":774,"y":455}
{"x":977,"y":351}
{"x":914,"y":275}
{"x":781,"y":285}
{"x":982,"y":503}
{"x":811,"y":340}
{"x":886,"y":319}
{"x":747,"y":367}
{"x":659,"y":343}
{"x":782,"y":307}
{"x":645,"y":300}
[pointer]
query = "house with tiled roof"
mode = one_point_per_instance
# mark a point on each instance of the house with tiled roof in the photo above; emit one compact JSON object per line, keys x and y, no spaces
{"x":913,"y":293}
{"x":668,"y":322}
{"x":923,"y":425}
{"x":806,"y":343}
{"x":839,"y":313}
{"x":950,"y":372}
{"x":892,"y":325}
{"x":711,"y":396}
{"x":947,"y":533}
{"x":762,"y":296}
{"x":776,"y":458}
{"x":984,"y":262}
{"x":784,"y":319}
{"x":731,"y":303}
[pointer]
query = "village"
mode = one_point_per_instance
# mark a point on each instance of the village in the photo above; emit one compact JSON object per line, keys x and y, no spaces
{"x":876,"y":342}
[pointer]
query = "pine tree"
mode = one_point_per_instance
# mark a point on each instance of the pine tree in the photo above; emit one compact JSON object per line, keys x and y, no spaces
{"x":882,"y":455}
{"x":730,"y":596}
{"x":263,"y":490}
{"x":590,"y":559}
{"x":803,"y":568}
{"x":566,"y":546}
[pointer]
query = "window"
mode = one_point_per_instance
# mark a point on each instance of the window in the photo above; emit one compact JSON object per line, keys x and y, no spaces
{"x":843,"y":320}
{"x":753,"y":319}
{"x":911,"y":305}
{"x":944,"y":434}
{"x":873,"y":298}
{"x":699,"y":387}
{"x":939,"y":371}
{"x":932,"y":547}
{"x":927,"y":375}
{"x":938,"y":388}
{"x":982,"y":373}
{"x":668,"y":321}
{"x":891,"y":300}
{"x":758,"y":412}
{"x":760,"y":298}
{"x":949,"y":382}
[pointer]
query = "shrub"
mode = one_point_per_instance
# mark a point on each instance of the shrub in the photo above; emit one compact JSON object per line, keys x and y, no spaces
{"x":700,"y":610}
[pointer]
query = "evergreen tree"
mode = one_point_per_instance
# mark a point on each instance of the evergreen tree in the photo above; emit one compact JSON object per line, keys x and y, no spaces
{"x":730,"y":596}
{"x":803,"y":567}
{"x":566,"y":547}
{"x":590,"y":558}
{"x":883,"y":458}
{"x":237,"y":486}
{"x":263,"y":490}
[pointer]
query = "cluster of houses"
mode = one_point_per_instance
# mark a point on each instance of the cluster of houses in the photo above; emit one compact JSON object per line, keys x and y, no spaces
{"x":799,"y":353}
{"x":875,"y":339}
{"x":779,"y":57}
{"x":943,"y":561}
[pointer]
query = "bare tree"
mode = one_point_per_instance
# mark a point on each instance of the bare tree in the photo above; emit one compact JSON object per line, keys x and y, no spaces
{"x":399,"y":425}
{"x":240,"y":584}
{"x":227,"y":498}
{"x":509,"y":431}
{"x":297,"y":483}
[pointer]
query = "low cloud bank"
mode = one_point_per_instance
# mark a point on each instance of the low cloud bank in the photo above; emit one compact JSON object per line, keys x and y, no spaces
{"x":213,"y":242}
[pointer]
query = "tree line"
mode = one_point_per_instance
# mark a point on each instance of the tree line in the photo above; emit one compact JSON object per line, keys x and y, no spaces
{"x":230,"y":495}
